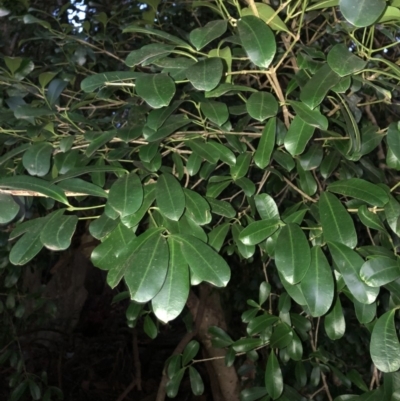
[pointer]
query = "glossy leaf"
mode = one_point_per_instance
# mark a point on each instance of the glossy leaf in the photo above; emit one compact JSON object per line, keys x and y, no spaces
{"x":37,"y":159}
{"x":222,"y":208}
{"x":385,"y":347}
{"x":93,"y":82}
{"x":126,"y":194}
{"x":318,"y":284}
{"x":281,"y":336}
{"x":393,"y":139}
{"x":258,"y":231}
{"x":335,"y":325}
{"x":173,"y":384}
{"x":80,"y":186}
{"x":27,"y":183}
{"x":197,"y":208}
{"x":266,"y":207}
{"x":58,"y":231}
{"x":170,"y":197}
{"x":295,"y":348}
{"x":204,"y":150}
{"x":225,"y":154}
{"x":349,"y":264}
{"x":257,"y":40}
{"x":311,"y":117}
{"x":343,"y":62}
{"x":217,"y":112}
{"x":156,"y":90}
{"x":266,"y":145}
{"x":8,"y":208}
{"x":360,"y":189}
{"x":148,"y":53}
{"x":29,"y":245}
{"x":147,"y":268}
{"x":365,"y":313}
{"x":262,"y":105}
{"x":273,"y":377}
{"x":196,"y":382}
{"x":205,"y":264}
{"x":99,"y":141}
{"x":370,"y":219}
{"x":337,"y":224}
{"x":260,"y":323}
{"x":392,"y":214}
{"x":240,"y":169}
{"x":201,"y":37}
{"x":190,"y":351}
{"x":171,"y":299}
{"x":205,"y":74}
{"x":316,"y":89}
{"x":298,"y":135}
{"x":246,"y":344}
{"x":217,"y":236}
{"x":267,"y":14}
{"x":292,"y":253}
{"x":247,"y":251}
{"x":379,"y":270}
{"x":362,"y":13}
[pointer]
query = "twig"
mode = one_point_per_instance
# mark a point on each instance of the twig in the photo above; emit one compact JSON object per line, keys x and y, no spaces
{"x":303,"y":194}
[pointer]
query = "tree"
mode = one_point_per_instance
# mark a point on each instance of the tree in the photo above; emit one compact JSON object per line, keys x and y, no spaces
{"x":206,"y":144}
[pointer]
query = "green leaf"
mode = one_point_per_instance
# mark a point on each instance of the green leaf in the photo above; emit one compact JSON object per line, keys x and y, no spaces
{"x":149,"y":327}
{"x":247,"y":251}
{"x":8,"y":208}
{"x":197,"y":208}
{"x":318,"y":284}
{"x":260,"y":323}
{"x":29,"y":245}
{"x":34,"y":390}
{"x":224,"y":88}
{"x":316,"y":89}
{"x":337,"y":225}
{"x":385,"y":347}
{"x":292,"y":253}
{"x":370,"y":219}
{"x":262,"y":105}
{"x":54,"y":90}
{"x":365,"y":313}
{"x":379,"y":270}
{"x":360,"y":189}
{"x":258,"y":231}
{"x":247,"y":185}
{"x":102,"y":226}
{"x":266,"y":145}
{"x":217,"y":236}
{"x":335,"y":326}
{"x":246,"y":344}
{"x":205,"y":74}
{"x":204,"y":150}
{"x":19,"y":391}
{"x":162,"y":34}
{"x":217,"y":112}
{"x":82,"y":187}
{"x":273,"y":377}
{"x":205,"y":264}
{"x":36,"y":185}
{"x":311,"y":117}
{"x":172,"y":124}
{"x":362,"y":13}
{"x":282,"y":336}
{"x":225,"y":154}
{"x":343,"y":62}
{"x":392,"y":214}
{"x":173,"y":384}
{"x":349,"y":264}
{"x":201,"y":37}
{"x":170,"y":197}
{"x":156,"y":90}
{"x":148,"y":53}
{"x":240,"y":169}
{"x":171,"y":299}
{"x":196,"y":382}
{"x":266,"y":207}
{"x":90,"y":84}
{"x":147,"y":268}
{"x":100,"y":141}
{"x":221,"y":208}
{"x":37,"y":158}
{"x":106,"y":255}
{"x":312,"y":158}
{"x":253,"y":394}
{"x":267,"y":14}
{"x":57,"y":233}
{"x":76,"y":172}
{"x":14,"y":152}
{"x":190,"y":351}
{"x":126,"y":194}
{"x":257,"y":40}
{"x":298,"y":135}
{"x":393,"y":139}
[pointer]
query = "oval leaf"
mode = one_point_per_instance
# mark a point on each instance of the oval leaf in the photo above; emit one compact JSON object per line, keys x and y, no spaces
{"x":170,"y":197}
{"x":257,"y":40}
{"x":379,"y":271}
{"x":156,"y":90}
{"x":385,"y":347}
{"x":37,"y":158}
{"x":335,"y":324}
{"x":362,"y":13}
{"x":273,"y":377}
{"x":266,"y":145}
{"x":205,"y":74}
{"x":8,"y":208}
{"x":201,"y":37}
{"x":292,"y":253}
{"x":262,"y":105}
{"x":258,"y":231}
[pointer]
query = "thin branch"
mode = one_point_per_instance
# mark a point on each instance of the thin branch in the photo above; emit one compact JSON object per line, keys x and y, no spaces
{"x":303,"y":194}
